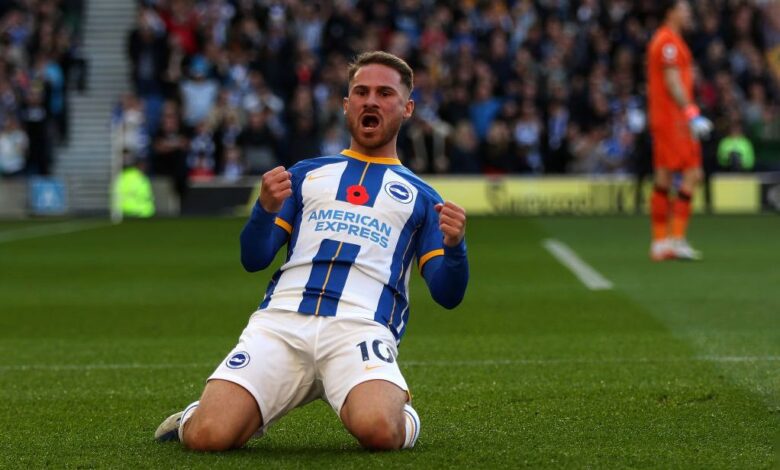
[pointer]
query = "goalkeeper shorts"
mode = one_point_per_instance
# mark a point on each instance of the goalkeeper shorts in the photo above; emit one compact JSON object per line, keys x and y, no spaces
{"x":674,"y":148}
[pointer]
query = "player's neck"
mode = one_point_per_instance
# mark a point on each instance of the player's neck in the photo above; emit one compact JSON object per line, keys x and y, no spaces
{"x":386,"y":151}
{"x":676,"y":29}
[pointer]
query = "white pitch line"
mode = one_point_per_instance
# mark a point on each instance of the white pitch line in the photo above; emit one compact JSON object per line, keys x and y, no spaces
{"x":592,"y":279}
{"x":88,"y":367}
{"x":564,"y":361}
{"x":442,"y":363}
{"x":47,"y":230}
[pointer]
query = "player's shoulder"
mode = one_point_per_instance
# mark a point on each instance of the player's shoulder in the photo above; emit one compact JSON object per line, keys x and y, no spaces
{"x":422,"y":187}
{"x":662,"y":35}
{"x":305,"y":166}
{"x":667,"y":46}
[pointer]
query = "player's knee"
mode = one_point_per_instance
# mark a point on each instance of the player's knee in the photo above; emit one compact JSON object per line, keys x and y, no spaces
{"x":379,"y":431}
{"x":207,"y":435}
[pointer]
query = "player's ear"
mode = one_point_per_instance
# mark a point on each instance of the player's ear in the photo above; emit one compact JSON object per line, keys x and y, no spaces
{"x":408,"y":108}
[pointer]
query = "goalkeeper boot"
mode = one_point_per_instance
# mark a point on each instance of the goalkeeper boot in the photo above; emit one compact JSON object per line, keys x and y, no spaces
{"x":168,"y":430}
{"x":683,"y":251}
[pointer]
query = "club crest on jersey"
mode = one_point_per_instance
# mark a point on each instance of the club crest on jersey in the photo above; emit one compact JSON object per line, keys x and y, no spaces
{"x":399,"y":191}
{"x":238,"y":360}
{"x":669,"y":51}
{"x":357,"y":194}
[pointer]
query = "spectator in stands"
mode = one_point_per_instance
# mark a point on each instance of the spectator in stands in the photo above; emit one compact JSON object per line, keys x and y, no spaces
{"x":555,"y":144}
{"x":169,"y":149}
{"x":133,"y":189}
{"x":589,"y":149}
{"x":334,"y":140}
{"x":735,"y":151}
{"x":38,"y":128}
{"x":484,"y":108}
{"x":455,"y":105}
{"x":198,"y":93}
{"x":13,"y":148}
{"x":302,"y":123}
{"x":130,"y":128}
{"x":200,"y":168}
{"x":527,"y":135}
{"x":202,"y":152}
{"x":261,"y":95}
{"x":306,"y":143}
{"x":498,"y":150}
{"x":259,"y":143}
{"x":10,"y":99}
{"x":464,"y":151}
{"x":426,"y":145}
{"x":225,"y":124}
{"x":147,"y":49}
{"x":182,"y":22}
{"x":50,"y":74}
{"x":234,"y":167}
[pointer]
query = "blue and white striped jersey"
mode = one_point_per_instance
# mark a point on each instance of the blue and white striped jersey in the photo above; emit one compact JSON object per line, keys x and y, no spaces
{"x":355,"y":224}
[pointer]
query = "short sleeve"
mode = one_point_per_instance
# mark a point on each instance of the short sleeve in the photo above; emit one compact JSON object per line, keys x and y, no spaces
{"x":671,"y":54}
{"x":430,"y":242}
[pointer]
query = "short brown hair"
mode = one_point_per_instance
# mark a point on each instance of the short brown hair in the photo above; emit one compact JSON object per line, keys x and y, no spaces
{"x":665,"y":6}
{"x":384,"y":58}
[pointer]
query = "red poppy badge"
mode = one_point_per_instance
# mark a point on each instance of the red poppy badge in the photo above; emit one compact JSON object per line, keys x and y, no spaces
{"x":357,"y":194}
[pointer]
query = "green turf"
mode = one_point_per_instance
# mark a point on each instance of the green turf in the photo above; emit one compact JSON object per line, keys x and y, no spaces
{"x":106,"y":331}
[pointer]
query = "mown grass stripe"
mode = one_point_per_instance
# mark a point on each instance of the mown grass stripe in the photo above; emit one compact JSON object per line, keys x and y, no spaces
{"x":473,"y":363}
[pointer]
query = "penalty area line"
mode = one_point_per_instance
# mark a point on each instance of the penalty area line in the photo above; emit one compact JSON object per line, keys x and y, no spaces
{"x":592,"y":279}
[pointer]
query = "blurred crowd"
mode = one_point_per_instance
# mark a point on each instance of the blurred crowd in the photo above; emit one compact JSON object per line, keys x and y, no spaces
{"x":39,"y":59}
{"x":235,"y":87}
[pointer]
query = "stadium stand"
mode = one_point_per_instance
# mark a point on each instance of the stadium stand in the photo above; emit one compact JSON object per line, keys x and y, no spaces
{"x":538,"y":87}
{"x":40,"y":63}
{"x":502,"y":87}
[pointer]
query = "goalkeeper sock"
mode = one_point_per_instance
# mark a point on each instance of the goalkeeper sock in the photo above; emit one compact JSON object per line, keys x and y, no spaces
{"x":185,"y":416}
{"x":659,"y":213}
{"x":681,"y":213}
{"x":412,"y":426}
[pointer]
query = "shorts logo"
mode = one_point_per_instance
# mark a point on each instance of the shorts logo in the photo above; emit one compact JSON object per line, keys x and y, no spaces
{"x":399,"y":191}
{"x":238,"y":360}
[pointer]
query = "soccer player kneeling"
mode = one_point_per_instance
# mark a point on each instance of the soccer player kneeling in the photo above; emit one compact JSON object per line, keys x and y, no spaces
{"x":333,"y":315}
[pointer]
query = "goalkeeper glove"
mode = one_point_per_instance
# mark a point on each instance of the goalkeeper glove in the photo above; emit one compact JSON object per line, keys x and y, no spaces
{"x":700,"y":126}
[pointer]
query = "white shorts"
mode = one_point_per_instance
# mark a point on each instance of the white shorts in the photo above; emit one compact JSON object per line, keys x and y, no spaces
{"x":288,"y":359}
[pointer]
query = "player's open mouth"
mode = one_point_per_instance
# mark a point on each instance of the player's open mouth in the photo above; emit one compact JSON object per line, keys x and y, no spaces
{"x":369,"y":121}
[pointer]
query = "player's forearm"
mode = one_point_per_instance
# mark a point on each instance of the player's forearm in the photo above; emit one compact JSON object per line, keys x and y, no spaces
{"x":260,"y":239}
{"x":447,"y":276}
{"x":674,"y":86}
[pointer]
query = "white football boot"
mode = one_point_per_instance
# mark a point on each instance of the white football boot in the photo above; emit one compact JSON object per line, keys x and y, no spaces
{"x":168,"y":430}
{"x":683,"y":251}
{"x":661,"y":250}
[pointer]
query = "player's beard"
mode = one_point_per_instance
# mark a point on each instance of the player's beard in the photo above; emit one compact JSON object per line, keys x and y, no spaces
{"x":388,"y":130}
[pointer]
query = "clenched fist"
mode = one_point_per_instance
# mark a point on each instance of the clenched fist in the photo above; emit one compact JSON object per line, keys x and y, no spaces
{"x":452,"y":222}
{"x":276,"y":187}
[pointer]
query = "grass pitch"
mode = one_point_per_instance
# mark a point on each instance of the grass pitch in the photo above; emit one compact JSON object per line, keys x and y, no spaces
{"x":106,"y":331}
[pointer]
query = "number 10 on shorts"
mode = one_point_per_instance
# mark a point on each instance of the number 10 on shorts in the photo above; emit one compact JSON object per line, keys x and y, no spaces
{"x":379,"y":349}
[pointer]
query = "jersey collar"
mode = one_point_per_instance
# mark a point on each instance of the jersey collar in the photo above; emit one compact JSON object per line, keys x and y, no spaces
{"x":366,"y":158}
